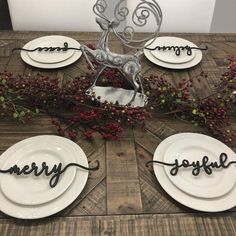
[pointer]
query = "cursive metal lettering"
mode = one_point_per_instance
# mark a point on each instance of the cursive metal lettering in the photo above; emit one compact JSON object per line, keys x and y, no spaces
{"x":48,"y":49}
{"x":55,"y":172}
{"x":177,"y":49}
{"x":197,"y":166}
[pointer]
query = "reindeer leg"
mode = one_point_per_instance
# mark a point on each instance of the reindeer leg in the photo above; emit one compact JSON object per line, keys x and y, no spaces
{"x":139,"y":75}
{"x":136,"y":87}
{"x":99,"y":74}
{"x":83,"y":50}
{"x":131,"y":77}
{"x":140,"y":82}
{"x":90,"y":90}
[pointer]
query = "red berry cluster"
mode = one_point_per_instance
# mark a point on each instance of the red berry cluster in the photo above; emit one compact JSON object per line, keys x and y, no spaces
{"x":213,"y":114}
{"x":9,"y":96}
{"x":163,"y":96}
{"x":74,"y":113}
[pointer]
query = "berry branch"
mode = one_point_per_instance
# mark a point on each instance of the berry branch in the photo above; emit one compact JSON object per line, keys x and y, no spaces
{"x":74,"y":113}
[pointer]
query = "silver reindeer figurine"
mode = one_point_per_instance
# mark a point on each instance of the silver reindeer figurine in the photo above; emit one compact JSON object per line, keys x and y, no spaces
{"x":128,"y":65}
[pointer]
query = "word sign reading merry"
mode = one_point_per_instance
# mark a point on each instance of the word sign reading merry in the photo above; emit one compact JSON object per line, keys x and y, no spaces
{"x":56,"y":171}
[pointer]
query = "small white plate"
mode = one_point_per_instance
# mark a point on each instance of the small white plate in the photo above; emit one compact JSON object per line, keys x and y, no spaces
{"x":220,"y":182}
{"x":76,"y":55}
{"x":29,"y":189}
{"x":50,"y":56}
{"x":223,"y":203}
{"x":58,"y":204}
{"x":196,"y":60}
{"x":170,"y":56}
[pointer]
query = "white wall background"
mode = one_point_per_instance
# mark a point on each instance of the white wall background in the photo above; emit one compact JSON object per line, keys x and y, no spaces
{"x":224,"y":19}
{"x":182,"y":15}
{"x":68,"y":15}
{"x":77,"y":15}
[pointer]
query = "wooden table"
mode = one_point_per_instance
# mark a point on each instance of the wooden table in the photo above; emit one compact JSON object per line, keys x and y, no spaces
{"x":123,"y":197}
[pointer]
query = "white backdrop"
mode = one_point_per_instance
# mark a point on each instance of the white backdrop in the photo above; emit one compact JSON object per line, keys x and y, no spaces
{"x":77,"y":15}
{"x":181,"y":15}
{"x":224,"y":20}
{"x":65,"y":15}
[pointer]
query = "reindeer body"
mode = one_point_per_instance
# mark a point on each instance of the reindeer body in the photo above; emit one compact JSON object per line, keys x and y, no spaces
{"x":128,"y":65}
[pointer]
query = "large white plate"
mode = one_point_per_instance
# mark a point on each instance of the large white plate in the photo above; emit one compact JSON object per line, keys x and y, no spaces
{"x":50,"y":208}
{"x":31,"y":190}
{"x":220,"y":182}
{"x":223,"y":203}
{"x":76,"y":55}
{"x":170,"y":56}
{"x":196,"y":60}
{"x":50,"y":56}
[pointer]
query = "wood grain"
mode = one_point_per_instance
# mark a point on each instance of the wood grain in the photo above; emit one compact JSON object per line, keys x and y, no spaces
{"x":128,"y":225}
{"x":123,"y":190}
{"x":123,"y":197}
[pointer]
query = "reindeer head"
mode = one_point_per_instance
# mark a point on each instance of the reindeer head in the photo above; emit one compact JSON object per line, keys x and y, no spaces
{"x":139,"y":16}
{"x":99,"y":9}
{"x":105,"y":24}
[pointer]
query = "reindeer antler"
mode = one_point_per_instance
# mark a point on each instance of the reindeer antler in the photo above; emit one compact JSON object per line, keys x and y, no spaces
{"x":139,"y":17}
{"x":120,"y":11}
{"x":99,"y":8}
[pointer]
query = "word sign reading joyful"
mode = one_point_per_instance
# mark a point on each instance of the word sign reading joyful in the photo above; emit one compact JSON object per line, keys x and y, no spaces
{"x":197,"y":166}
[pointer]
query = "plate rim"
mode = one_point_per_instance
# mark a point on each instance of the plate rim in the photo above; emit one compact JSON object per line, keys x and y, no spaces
{"x":41,"y":40}
{"x":54,"y":206}
{"x":26,"y":58}
{"x":9,"y":156}
{"x":199,"y":204}
{"x":177,"y":38}
{"x":177,"y":142}
{"x":197,"y":59}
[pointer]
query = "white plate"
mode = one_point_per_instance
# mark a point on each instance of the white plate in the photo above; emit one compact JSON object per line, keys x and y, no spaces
{"x":202,"y":204}
{"x":170,"y":56}
{"x":220,"y":182}
{"x":58,"y":204}
{"x":31,"y":190}
{"x":77,"y":54}
{"x":50,"y":41}
{"x":197,"y":59}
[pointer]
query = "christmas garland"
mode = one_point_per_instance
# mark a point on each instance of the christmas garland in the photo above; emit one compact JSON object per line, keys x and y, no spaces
{"x":73,"y":112}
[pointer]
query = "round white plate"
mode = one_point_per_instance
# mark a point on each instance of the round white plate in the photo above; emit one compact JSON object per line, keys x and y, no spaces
{"x":170,"y":56}
{"x":29,"y":189}
{"x":223,"y":203}
{"x":50,"y":41}
{"x":220,"y":182}
{"x":76,"y":55}
{"x":58,"y":204}
{"x":196,"y":60}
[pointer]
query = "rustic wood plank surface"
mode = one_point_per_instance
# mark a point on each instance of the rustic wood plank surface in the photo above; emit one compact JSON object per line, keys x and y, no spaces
{"x":123,"y":197}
